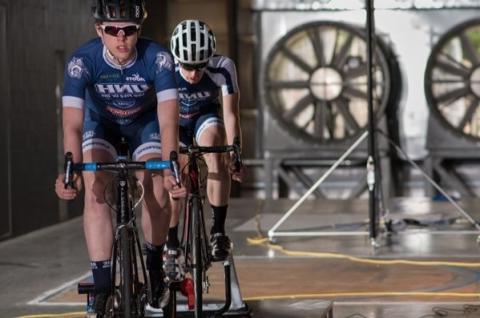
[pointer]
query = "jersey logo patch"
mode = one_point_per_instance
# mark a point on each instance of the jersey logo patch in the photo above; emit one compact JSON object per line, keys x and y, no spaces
{"x":121,"y":88}
{"x":164,"y":61}
{"x":135,"y":78}
{"x":76,"y":68}
{"x":194,"y":96}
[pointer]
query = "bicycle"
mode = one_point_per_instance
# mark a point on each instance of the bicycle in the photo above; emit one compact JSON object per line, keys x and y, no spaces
{"x":129,"y":293}
{"x":195,"y":242}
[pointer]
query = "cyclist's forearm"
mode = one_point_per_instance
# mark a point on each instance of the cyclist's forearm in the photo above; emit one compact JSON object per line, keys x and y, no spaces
{"x":72,"y":132}
{"x":168,"y":121}
{"x":232,"y":128}
{"x":72,"y":143}
{"x":231,"y":117}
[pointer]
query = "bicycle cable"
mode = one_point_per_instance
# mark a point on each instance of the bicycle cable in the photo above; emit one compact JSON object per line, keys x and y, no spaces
{"x":135,"y":205}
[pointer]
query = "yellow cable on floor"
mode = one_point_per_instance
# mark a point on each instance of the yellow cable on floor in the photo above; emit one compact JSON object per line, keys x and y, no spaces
{"x":80,"y":314}
{"x":301,"y":296}
{"x":361,"y":294}
{"x":263,"y":241}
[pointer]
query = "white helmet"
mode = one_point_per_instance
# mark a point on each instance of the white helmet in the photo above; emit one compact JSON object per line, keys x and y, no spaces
{"x":192,"y":42}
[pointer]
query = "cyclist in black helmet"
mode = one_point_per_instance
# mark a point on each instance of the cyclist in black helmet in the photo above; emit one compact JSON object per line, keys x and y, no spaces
{"x":209,"y":116}
{"x":119,"y":85}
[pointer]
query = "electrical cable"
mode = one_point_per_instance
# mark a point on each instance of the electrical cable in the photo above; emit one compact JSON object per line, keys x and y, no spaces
{"x":356,"y":315}
{"x":79,"y":314}
{"x":265,"y":242}
{"x":260,"y":239}
{"x":360,"y":295}
{"x":445,"y":311}
{"x":438,"y":312}
{"x":431,"y":181}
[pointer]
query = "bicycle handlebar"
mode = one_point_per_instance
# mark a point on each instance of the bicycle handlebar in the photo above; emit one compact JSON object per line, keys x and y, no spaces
{"x":237,"y":154}
{"x":235,"y":147}
{"x":68,"y":169}
{"x":120,"y":165}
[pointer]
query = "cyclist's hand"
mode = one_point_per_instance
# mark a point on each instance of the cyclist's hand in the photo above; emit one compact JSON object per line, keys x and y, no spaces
{"x":176,"y":191}
{"x":68,"y":193}
{"x":237,"y":175}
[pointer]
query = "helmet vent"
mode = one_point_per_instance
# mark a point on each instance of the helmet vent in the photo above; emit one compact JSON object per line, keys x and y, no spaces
{"x":192,"y":42}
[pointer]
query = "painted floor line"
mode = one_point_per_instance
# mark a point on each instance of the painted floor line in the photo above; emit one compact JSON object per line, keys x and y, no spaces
{"x":390,"y":303}
{"x":41,"y":300}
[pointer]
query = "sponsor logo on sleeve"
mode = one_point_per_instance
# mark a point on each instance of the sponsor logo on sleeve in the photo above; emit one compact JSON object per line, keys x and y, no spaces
{"x":155,"y":136}
{"x":88,"y":134}
{"x":164,"y":61}
{"x":76,"y":68}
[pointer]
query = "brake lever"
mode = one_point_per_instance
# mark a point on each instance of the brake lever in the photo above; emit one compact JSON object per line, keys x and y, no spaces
{"x":68,"y":169}
{"x":175,"y":167}
{"x":236,"y":154}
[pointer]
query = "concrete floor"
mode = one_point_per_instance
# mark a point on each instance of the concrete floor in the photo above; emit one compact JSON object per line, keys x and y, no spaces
{"x":295,"y":277}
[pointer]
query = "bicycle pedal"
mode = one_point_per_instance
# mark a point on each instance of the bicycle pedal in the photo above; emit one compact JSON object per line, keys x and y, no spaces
{"x":85,"y":287}
{"x":206,"y":285}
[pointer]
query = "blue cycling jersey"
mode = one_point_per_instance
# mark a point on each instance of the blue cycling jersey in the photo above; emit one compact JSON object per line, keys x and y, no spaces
{"x":119,"y":93}
{"x":204,"y":96}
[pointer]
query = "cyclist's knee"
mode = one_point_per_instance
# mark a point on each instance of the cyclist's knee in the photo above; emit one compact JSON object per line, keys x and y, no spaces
{"x":96,"y":188}
{"x":216,"y":162}
{"x":155,"y":191}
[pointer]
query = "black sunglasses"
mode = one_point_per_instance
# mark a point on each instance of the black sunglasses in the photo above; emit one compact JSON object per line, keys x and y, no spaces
{"x":193,"y":67}
{"x":113,"y":30}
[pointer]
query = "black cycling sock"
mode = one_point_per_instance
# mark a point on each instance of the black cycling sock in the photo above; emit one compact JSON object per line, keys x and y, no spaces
{"x":172,"y":242}
{"x":154,"y":263}
{"x":219,"y":216}
{"x":101,"y":276}
{"x":154,"y":259}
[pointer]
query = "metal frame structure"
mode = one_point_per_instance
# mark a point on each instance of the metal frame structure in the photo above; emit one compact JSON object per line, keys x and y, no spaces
{"x":273,"y":233}
{"x":373,"y":171}
{"x":238,"y":308}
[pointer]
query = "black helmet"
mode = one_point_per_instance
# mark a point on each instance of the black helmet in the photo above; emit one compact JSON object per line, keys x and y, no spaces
{"x":119,"y":10}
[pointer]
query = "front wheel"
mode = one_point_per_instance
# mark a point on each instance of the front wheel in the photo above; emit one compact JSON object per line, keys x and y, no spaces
{"x":170,"y":310}
{"x":197,"y":257}
{"x":126,"y":289}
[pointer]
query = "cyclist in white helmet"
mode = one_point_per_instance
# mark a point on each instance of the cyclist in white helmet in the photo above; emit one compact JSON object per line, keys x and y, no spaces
{"x":209,"y":116}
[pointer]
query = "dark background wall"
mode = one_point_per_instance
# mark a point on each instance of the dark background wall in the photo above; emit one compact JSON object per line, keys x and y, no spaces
{"x":35,"y":38}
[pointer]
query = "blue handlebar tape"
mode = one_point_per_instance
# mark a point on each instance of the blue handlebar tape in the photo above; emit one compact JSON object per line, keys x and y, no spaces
{"x":157,"y":165}
{"x":89,"y":166}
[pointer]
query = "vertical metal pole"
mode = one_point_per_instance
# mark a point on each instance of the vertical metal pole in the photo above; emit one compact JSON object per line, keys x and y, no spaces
{"x":6,"y":228}
{"x":59,"y":68}
{"x":371,"y":177}
{"x":232,"y":12}
{"x":257,"y":65}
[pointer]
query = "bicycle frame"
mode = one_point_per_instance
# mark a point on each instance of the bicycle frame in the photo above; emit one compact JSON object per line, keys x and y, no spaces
{"x":132,"y":293}
{"x":195,"y":239}
{"x":195,"y":242}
